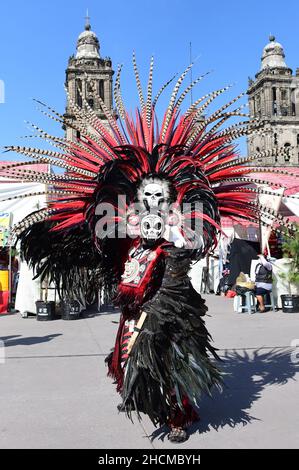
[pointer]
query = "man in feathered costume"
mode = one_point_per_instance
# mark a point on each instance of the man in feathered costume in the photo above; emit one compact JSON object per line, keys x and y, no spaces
{"x":108,"y":222}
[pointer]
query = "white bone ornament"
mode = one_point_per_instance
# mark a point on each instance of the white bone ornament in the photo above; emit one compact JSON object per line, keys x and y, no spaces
{"x":152,"y":227}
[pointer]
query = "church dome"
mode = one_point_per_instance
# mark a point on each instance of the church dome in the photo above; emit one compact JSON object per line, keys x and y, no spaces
{"x":273,"y":55}
{"x":88,"y":46}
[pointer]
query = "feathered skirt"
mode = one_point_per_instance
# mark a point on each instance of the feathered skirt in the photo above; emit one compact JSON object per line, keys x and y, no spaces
{"x":170,"y":364}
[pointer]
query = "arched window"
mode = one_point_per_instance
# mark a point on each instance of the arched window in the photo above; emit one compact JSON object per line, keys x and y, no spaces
{"x":284,"y":105}
{"x":258,"y":105}
{"x":101,"y":89}
{"x":79,"y":92}
{"x":274,"y":101}
{"x":287,"y":155}
{"x":293,"y":101}
{"x":91,"y":103}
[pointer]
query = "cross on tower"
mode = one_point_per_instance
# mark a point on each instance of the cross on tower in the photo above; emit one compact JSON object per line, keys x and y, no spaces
{"x":87,"y":21}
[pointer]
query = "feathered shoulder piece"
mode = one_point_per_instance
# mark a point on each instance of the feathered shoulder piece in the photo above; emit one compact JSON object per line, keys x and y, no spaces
{"x":190,"y":156}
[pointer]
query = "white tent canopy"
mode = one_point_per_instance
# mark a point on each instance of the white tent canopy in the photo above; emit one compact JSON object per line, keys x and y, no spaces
{"x":292,"y":204}
{"x":28,"y":290}
{"x":20,"y":208}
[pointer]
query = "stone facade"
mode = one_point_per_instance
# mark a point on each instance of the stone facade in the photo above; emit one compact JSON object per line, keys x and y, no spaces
{"x":88,"y":67}
{"x":274,"y":99}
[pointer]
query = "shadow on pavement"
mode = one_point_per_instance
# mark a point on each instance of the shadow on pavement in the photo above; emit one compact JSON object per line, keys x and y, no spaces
{"x":246,"y":376}
{"x":18,"y":340}
{"x":7,"y":338}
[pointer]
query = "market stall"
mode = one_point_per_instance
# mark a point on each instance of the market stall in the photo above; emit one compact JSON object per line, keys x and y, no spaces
{"x":15,"y":276}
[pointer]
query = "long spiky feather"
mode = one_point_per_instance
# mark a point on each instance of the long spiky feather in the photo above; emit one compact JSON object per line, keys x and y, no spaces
{"x":193,"y":142}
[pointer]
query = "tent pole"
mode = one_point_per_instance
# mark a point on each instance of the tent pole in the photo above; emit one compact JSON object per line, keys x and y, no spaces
{"x":9,"y":279}
{"x":261,"y":236}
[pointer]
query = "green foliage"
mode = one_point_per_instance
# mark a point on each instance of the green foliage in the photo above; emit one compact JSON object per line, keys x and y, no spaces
{"x":14,"y":252}
{"x":291,"y":250}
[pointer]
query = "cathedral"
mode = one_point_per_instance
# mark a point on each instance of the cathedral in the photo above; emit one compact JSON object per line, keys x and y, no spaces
{"x":273,"y":96}
{"x":274,"y":99}
{"x":88,"y":76}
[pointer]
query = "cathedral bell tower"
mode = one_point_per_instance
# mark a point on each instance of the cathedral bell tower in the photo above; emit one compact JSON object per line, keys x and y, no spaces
{"x":84,"y":67}
{"x":274,"y":99}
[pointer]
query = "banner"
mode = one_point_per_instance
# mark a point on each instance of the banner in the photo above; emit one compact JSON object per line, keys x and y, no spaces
{"x":5,"y":221}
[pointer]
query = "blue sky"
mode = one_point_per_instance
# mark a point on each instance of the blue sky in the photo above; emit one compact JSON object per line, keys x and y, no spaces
{"x":36,"y":39}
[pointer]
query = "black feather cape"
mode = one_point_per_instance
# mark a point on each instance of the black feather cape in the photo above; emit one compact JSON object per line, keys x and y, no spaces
{"x":171,"y":354}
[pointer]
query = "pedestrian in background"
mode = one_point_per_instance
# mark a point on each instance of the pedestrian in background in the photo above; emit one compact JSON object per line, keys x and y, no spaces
{"x":263,"y":280}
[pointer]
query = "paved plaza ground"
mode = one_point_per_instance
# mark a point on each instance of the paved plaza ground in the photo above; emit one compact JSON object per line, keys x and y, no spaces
{"x":55,"y":393}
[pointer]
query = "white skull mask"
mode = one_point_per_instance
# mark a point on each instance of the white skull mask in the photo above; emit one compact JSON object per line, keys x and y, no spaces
{"x":153,"y":193}
{"x":152,"y":227}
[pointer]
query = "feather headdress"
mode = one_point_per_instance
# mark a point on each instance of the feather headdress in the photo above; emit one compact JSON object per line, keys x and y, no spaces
{"x":192,"y":151}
